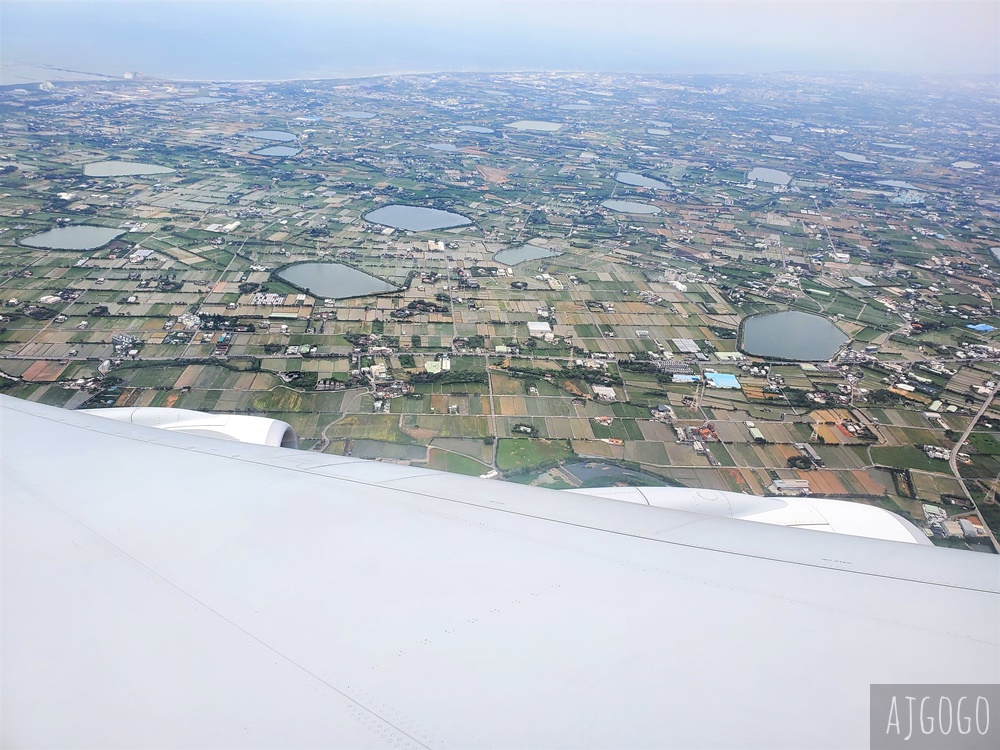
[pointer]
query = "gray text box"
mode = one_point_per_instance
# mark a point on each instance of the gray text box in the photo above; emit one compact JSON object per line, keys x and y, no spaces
{"x":935,"y":717}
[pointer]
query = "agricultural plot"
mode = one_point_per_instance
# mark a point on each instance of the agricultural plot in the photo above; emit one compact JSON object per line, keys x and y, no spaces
{"x":476,"y":449}
{"x":574,"y":428}
{"x":915,"y":436}
{"x":52,"y":395}
{"x":907,"y":457}
{"x":647,"y":453}
{"x":932,"y":486}
{"x":455,"y":462}
{"x":381,"y":427}
{"x":446,"y":425}
{"x":516,"y":454}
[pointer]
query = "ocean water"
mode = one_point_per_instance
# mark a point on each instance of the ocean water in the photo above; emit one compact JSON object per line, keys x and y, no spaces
{"x":244,"y":40}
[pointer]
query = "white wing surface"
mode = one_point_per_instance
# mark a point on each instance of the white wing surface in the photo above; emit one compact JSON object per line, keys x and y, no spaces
{"x":169,"y":590}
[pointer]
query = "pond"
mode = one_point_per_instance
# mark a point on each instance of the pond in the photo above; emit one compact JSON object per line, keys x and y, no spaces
{"x":392,"y":451}
{"x":854,"y":157}
{"x":791,"y":335}
{"x":277,"y":151}
{"x":357,"y":114}
{"x":597,"y":474}
{"x":475,"y":129}
{"x":443,"y":146}
{"x":781,"y":138}
{"x":897,"y":184}
{"x":630,"y":207}
{"x":76,"y":237}
{"x":542,"y":125}
{"x":334,"y":280}
{"x":773,"y":176}
{"x":631,"y":178}
{"x":515,"y":255}
{"x":415,"y":218}
{"x":270,"y":135}
{"x":122,"y":169}
{"x":578,"y":107}
{"x":658,"y":131}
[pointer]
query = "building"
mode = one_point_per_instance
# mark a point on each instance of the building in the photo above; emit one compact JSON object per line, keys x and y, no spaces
{"x":539,"y":329}
{"x":722,"y":380}
{"x":970,"y":529}
{"x":808,"y":451}
{"x":793,"y":487}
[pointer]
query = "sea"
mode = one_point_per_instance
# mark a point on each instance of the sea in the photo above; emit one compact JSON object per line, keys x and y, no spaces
{"x":296,"y":39}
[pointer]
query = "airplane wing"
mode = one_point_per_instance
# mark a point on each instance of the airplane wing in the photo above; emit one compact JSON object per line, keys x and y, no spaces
{"x":167,"y":590}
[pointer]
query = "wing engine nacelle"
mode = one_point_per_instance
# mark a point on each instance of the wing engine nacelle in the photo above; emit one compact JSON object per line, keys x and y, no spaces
{"x":238,"y":427}
{"x":817,"y":513}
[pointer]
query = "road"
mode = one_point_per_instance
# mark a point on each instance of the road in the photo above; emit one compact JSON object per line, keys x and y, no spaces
{"x":953,"y":461}
{"x":493,"y":415}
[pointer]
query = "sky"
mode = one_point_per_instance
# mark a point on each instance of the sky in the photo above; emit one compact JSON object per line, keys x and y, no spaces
{"x":273,"y":39}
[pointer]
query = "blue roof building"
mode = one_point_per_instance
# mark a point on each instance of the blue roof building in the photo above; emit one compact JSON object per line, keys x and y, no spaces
{"x":722,"y":380}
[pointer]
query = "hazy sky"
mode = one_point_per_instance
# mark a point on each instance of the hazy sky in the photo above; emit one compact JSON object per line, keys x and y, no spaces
{"x":300,"y":38}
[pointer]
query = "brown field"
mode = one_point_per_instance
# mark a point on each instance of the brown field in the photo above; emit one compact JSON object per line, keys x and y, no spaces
{"x":44,"y":372}
{"x":833,"y":436}
{"x":262,"y":382}
{"x":492,"y":174}
{"x":595,"y":448}
{"x":129,"y":397}
{"x":189,"y":377}
{"x":756,"y":393}
{"x":823,"y":483}
{"x":831,"y":415}
{"x":736,"y":478}
{"x":864,"y":479}
{"x":510,"y":405}
{"x":786,"y":451}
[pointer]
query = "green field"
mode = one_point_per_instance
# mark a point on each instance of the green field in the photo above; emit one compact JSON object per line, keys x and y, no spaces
{"x":514,"y":454}
{"x":985,"y":442}
{"x":371,"y":426}
{"x":458,"y":464}
{"x":907,"y":457}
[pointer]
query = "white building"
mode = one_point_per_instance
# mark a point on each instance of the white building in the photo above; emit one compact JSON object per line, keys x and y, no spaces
{"x":790,"y":487}
{"x":539,"y":329}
